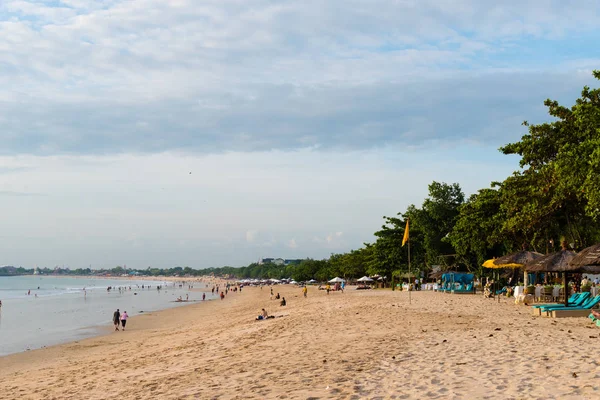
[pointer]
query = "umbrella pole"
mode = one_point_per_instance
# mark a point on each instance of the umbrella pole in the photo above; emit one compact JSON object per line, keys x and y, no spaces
{"x":566,"y":289}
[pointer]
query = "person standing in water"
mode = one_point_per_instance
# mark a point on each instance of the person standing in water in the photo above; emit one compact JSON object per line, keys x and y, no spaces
{"x":124,"y":317}
{"x":203,"y":296}
{"x":117,"y":319}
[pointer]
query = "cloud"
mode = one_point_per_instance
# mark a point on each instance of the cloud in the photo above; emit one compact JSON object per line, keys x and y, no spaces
{"x":151,"y":76}
{"x":135,"y":209}
{"x":292,"y":244}
{"x":251,"y":236}
{"x":18,"y":194}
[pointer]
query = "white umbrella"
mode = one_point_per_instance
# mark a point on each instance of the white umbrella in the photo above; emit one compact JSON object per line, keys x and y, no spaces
{"x":365,"y":279}
{"x":337,"y":280}
{"x":312,"y":281}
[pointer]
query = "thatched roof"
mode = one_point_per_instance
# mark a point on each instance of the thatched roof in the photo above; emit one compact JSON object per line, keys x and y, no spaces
{"x":516,"y":260}
{"x":438,"y":274}
{"x":587,"y":257}
{"x":555,"y":262}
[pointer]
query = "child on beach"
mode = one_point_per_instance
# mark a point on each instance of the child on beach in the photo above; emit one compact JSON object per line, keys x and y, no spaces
{"x":124,"y":317}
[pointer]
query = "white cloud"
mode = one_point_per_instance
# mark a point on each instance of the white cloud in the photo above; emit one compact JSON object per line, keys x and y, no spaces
{"x":113,"y":76}
{"x":251,"y":235}
{"x":108,"y":210}
{"x":351,"y":108}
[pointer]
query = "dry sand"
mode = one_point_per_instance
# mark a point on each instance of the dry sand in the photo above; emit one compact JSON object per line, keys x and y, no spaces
{"x":353,"y":345}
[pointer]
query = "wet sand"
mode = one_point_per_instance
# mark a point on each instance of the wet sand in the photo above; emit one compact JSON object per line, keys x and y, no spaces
{"x":353,"y":345}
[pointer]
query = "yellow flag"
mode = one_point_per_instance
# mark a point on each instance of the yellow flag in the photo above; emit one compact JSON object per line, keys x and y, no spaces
{"x":405,"y":238}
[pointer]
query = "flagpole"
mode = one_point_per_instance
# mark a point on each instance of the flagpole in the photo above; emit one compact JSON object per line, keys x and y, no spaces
{"x":409,"y":276}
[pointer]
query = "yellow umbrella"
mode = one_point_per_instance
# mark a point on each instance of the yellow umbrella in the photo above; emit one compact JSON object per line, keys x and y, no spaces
{"x":509,"y":265}
{"x":490,"y":264}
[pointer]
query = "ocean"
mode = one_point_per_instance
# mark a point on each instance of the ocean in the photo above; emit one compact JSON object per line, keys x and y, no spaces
{"x":58,"y":310}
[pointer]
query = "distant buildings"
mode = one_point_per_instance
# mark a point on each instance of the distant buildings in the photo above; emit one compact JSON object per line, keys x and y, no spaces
{"x":280,"y":261}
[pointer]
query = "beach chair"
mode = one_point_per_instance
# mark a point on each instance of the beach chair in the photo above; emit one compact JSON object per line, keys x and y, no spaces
{"x":576,"y":299}
{"x":582,"y":302}
{"x":574,"y":311}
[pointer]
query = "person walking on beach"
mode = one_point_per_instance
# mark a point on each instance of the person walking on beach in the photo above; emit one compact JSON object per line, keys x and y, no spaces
{"x":117,"y":319}
{"x":304,"y":291}
{"x":124,"y":317}
{"x":222,"y":295}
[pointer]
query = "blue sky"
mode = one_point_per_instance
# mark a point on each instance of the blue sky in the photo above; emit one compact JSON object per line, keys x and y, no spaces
{"x":303,"y":123}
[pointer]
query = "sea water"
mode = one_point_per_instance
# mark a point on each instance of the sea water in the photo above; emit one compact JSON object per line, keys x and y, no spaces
{"x":62,"y":309}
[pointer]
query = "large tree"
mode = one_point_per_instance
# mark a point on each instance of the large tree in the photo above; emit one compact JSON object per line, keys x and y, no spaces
{"x":557,"y":190}
{"x":436,"y":220}
{"x":478,"y":232}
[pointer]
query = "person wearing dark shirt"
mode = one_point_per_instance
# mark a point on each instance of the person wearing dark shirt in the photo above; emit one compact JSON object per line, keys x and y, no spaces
{"x":117,"y":319}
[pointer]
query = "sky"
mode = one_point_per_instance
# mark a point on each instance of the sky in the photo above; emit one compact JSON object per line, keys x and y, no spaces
{"x":202,"y":134}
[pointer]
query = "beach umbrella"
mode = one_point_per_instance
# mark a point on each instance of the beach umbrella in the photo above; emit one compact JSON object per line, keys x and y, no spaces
{"x":515,"y":260}
{"x":312,"y":281}
{"x":554,"y":262}
{"x":365,"y":279}
{"x":587,"y":260}
{"x":337,"y":280}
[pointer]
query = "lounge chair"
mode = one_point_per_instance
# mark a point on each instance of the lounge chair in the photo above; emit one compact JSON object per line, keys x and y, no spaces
{"x":575,"y":300}
{"x":574,"y":311}
{"x":581,"y":302}
{"x":574,"y":297}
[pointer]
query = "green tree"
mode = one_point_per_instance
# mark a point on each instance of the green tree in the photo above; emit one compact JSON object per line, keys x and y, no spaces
{"x":557,"y":190}
{"x":477,"y":234}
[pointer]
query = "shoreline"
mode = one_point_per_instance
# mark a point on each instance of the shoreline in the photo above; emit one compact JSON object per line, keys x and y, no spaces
{"x":357,"y":344}
{"x":92,"y":314}
{"x":128,"y":278}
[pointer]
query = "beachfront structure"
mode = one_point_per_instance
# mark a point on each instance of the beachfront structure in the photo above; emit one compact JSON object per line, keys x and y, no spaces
{"x":457,"y":282}
{"x":280,"y":261}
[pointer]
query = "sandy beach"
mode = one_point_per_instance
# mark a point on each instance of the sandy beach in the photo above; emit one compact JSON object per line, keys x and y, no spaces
{"x":352,"y":345}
